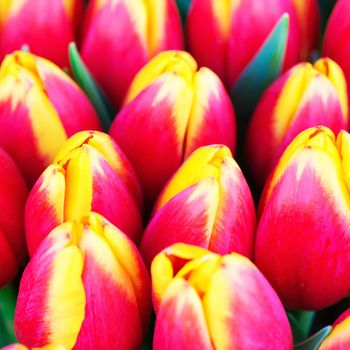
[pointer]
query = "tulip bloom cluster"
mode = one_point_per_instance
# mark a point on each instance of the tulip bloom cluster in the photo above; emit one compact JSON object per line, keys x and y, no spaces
{"x":172,"y":109}
{"x":205,"y":301}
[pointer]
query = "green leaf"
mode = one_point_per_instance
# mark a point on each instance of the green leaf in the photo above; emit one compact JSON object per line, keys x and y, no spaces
{"x":7,"y":312}
{"x":314,"y":342}
{"x":85,"y":80}
{"x":260,"y":73}
{"x":183,"y":6}
{"x":301,"y":323}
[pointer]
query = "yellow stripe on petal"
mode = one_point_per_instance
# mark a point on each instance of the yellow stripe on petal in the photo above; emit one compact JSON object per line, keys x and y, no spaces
{"x":203,"y":163}
{"x":334,"y":73}
{"x":94,"y":244}
{"x":220,"y":296}
{"x":223,"y":10}
{"x":54,"y":186}
{"x":66,"y":296}
{"x":156,"y":18}
{"x":10,"y":8}
{"x":291,"y":95}
{"x":78,"y":197}
{"x":179,"y":62}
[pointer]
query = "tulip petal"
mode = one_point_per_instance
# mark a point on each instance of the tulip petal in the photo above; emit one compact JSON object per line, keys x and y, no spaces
{"x":212,"y":117}
{"x":8,"y":259}
{"x":45,"y":206}
{"x":127,"y":24}
{"x":24,"y":24}
{"x":51,"y":304}
{"x":109,"y":291}
{"x":70,"y":103}
{"x":181,"y":322}
{"x":228,"y":304}
{"x":159,"y":131}
{"x":192,"y":224}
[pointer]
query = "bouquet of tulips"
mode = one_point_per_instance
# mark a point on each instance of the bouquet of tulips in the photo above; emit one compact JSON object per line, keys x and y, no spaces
{"x":174,"y":174}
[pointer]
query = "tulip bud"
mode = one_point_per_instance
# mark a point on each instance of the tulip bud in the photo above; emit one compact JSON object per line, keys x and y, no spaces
{"x":85,"y":287}
{"x":40,"y":106}
{"x":89,"y":174}
{"x":206,"y":203}
{"x":129,"y":33}
{"x":336,"y":44}
{"x":233,"y":32}
{"x":340,"y":335}
{"x":13,"y":194}
{"x":172,"y":109}
{"x":303,"y":233}
{"x":22,"y":347}
{"x":205,"y":301}
{"x":46,"y":27}
{"x":305,"y":96}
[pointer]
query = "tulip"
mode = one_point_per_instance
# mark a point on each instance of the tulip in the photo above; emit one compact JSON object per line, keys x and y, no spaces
{"x":305,"y":96}
{"x":85,"y":287}
{"x":13,"y":194}
{"x":207,"y":301}
{"x":46,"y":27}
{"x":121,"y":36}
{"x":233,"y":32}
{"x":172,"y":109}
{"x":89,"y":174}
{"x":206,"y":203}
{"x":303,"y":235}
{"x":340,"y":336}
{"x":22,"y":347}
{"x":336,"y":43}
{"x":40,"y":106}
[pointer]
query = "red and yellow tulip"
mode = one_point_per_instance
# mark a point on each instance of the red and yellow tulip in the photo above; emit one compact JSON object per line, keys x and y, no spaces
{"x":46,"y":27}
{"x":226,"y":35}
{"x":303,"y":235}
{"x":120,"y":36}
{"x":305,"y":96}
{"x":40,"y":107}
{"x":336,"y":43}
{"x":206,"y":301}
{"x":89,"y":174}
{"x":206,"y":203}
{"x":339,"y":338}
{"x":85,"y":287}
{"x":13,"y":194}
{"x":171,"y":109}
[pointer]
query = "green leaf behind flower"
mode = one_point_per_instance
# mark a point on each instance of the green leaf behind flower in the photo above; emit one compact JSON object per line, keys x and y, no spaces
{"x":264,"y":68}
{"x":85,"y":80}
